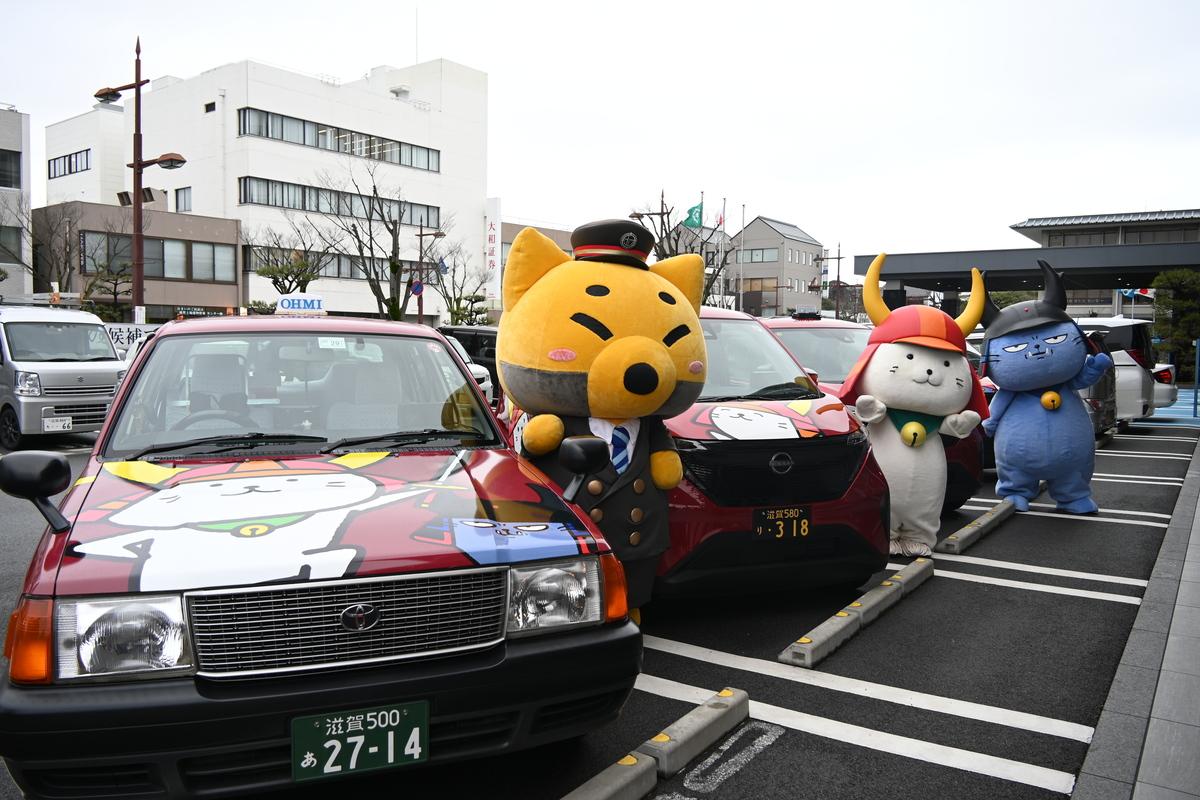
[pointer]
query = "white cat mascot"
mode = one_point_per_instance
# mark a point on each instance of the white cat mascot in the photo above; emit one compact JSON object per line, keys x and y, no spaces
{"x":912,"y":383}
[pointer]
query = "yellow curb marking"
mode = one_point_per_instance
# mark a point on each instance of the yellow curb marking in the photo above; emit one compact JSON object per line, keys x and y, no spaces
{"x":627,"y":761}
{"x":662,"y":737}
{"x":804,"y":640}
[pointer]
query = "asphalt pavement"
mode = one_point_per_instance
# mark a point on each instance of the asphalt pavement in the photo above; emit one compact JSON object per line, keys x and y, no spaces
{"x":986,"y":682}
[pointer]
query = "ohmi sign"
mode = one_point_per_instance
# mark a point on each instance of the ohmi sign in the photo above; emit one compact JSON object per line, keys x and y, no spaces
{"x":300,"y":303}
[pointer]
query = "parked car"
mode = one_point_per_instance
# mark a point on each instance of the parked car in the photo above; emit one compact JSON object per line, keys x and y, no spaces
{"x":301,"y":549}
{"x":830,"y":347}
{"x":479,"y":341}
{"x":58,"y":373}
{"x":1166,"y":391}
{"x":1129,"y":343}
{"x":478,"y":371}
{"x":780,"y":487}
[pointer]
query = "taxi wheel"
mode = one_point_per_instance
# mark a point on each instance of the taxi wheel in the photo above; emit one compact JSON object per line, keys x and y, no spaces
{"x":10,"y":429}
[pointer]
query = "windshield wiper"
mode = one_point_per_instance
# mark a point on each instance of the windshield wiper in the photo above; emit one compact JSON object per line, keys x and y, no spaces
{"x":242,"y":440}
{"x":407,"y":437}
{"x":778,"y":391}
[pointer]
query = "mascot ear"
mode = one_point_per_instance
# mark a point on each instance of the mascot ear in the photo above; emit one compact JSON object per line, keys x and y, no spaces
{"x":1055,"y":293}
{"x":533,"y":255}
{"x":990,"y":310}
{"x":685,"y":271}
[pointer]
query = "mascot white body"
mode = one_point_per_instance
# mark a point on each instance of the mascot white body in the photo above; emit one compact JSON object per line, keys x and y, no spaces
{"x":912,"y":384}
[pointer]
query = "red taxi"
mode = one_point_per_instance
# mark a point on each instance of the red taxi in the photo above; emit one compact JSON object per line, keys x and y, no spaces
{"x":301,"y":550}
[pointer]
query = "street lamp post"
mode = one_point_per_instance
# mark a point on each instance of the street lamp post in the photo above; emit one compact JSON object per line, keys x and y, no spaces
{"x":111,"y":94}
{"x":436,"y":234}
{"x":837,"y":289}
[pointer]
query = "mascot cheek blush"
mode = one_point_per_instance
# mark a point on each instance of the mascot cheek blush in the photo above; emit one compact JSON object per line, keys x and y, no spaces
{"x":911,"y":384}
{"x":605,"y":345}
{"x":1038,"y":357}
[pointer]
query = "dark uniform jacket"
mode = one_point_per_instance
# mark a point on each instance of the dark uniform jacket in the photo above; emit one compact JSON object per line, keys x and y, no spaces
{"x":628,"y":508}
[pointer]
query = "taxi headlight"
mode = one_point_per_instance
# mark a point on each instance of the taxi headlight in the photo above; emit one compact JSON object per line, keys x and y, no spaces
{"x":857,"y":437}
{"x":552,"y":595}
{"x":124,"y":636}
{"x":27,"y":384}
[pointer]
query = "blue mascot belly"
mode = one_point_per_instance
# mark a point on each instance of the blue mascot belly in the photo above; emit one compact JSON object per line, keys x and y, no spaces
{"x":1047,"y":441}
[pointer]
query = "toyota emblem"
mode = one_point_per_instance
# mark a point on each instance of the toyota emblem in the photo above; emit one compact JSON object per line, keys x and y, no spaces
{"x":360,"y":617}
{"x":781,"y":463}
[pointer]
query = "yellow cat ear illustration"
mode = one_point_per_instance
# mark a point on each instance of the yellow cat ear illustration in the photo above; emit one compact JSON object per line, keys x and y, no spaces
{"x":142,"y":472}
{"x":533,"y":254}
{"x":358,"y":460}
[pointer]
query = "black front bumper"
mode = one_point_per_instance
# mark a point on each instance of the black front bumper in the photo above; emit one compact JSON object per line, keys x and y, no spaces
{"x":205,"y":738}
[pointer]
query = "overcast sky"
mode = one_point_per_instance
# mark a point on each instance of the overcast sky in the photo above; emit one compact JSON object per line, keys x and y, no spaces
{"x":894,"y":126}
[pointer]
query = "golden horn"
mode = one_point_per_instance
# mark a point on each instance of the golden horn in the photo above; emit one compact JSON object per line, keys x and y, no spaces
{"x":873,"y":303}
{"x":971,"y":315}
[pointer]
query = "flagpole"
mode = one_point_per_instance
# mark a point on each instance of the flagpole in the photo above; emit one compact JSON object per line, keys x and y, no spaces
{"x":741,"y":257}
{"x":721,"y":246}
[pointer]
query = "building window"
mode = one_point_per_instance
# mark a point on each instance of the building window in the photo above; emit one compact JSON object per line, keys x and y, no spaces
{"x":10,"y":245}
{"x":758,"y":255}
{"x":253,"y":122}
{"x":10,"y":169}
{"x":210,"y":107}
{"x":183,"y":199}
{"x":162,"y":258}
{"x":70,"y":164}
{"x":1162,"y":235}
{"x":175,"y":260}
{"x":263,"y":192}
{"x":1089,"y":297}
{"x":1089,"y":238}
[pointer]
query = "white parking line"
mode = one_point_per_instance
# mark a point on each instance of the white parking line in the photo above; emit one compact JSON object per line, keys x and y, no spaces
{"x":1169,"y":427}
{"x":1155,"y":438}
{"x":1031,"y":587}
{"x":876,"y":691}
{"x":1017,"y":567}
{"x":1144,"y":477}
{"x":956,"y":758}
{"x":1144,"y":483}
{"x":1079,"y":517}
{"x":1154,"y":454}
{"x":1105,"y":510}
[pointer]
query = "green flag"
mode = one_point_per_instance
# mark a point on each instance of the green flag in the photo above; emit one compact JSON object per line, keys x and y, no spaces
{"x":695,"y":216}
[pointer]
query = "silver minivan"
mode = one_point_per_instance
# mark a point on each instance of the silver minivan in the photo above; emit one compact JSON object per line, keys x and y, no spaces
{"x":58,"y":373}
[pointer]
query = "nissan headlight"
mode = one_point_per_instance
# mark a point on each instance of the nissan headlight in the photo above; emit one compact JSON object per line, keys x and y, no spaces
{"x":857,"y":437}
{"x":28,"y":384}
{"x":121,"y":636}
{"x":552,"y":595}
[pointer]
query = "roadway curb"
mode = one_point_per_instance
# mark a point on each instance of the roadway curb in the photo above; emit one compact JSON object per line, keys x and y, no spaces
{"x":822,"y":640}
{"x":631,"y":778}
{"x":696,"y":731}
{"x":976,"y":529}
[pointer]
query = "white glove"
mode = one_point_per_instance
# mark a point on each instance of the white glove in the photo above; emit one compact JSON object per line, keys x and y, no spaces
{"x":961,"y":424}
{"x":869,"y":409}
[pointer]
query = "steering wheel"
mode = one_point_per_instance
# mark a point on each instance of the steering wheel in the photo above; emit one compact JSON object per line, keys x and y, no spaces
{"x":214,"y":413}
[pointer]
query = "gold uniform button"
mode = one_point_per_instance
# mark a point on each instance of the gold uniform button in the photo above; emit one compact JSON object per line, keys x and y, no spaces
{"x":635,"y":538}
{"x":596,"y":514}
{"x":639,"y":486}
{"x":636,"y":515}
{"x":595,"y":487}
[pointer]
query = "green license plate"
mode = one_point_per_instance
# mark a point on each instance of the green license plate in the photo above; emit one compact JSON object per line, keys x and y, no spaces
{"x":345,"y":742}
{"x":786,"y":523}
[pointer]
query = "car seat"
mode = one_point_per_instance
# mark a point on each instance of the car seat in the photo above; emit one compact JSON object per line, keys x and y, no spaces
{"x":218,"y":380}
{"x":362,"y":397}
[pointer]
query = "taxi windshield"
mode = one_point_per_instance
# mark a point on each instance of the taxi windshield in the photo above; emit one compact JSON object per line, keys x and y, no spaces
{"x":58,"y":341}
{"x":746,"y":362}
{"x":297,"y":392}
{"x":829,"y":352}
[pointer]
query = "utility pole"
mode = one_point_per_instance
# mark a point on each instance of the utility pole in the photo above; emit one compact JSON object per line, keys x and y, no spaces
{"x":837,"y":289}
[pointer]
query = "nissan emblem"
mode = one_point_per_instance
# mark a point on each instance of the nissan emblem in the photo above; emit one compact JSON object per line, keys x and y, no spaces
{"x":781,"y":463}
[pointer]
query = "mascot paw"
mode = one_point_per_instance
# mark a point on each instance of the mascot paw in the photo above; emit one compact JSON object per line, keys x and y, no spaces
{"x":896,"y":547}
{"x":1100,"y":361}
{"x":869,"y":409}
{"x":1019,"y":503}
{"x":542,"y":434}
{"x":911,"y":547}
{"x":961,"y":424}
{"x":989,"y":426}
{"x":666,"y":470}
{"x":1084,"y":505}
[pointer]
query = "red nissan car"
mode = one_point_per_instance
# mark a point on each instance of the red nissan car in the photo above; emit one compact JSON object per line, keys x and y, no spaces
{"x":780,"y":487}
{"x":302,"y":549}
{"x":828,"y":348}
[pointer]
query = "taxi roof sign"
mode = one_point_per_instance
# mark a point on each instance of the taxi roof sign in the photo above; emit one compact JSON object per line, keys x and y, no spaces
{"x":301,"y":304}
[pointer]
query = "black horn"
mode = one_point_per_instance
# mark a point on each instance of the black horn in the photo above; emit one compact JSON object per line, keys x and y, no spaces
{"x":1055,"y":294}
{"x":990,"y":310}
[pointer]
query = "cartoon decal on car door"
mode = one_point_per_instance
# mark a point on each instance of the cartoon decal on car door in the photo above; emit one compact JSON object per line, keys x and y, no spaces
{"x":251,"y":522}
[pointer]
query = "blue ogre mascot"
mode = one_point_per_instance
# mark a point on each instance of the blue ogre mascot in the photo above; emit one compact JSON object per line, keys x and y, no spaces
{"x":1038,"y":357}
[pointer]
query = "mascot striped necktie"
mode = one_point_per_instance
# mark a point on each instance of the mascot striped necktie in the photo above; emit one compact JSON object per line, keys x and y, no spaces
{"x":620,"y":449}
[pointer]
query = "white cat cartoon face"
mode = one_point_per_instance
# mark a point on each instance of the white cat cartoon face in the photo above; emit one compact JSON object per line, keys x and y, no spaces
{"x":749,"y":423}
{"x":229,"y":497}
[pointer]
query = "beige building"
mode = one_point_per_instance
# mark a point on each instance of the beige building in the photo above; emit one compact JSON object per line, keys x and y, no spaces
{"x":192,"y":263}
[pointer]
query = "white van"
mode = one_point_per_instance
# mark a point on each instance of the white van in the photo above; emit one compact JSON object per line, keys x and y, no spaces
{"x":1133,"y":358}
{"x":58,"y":372}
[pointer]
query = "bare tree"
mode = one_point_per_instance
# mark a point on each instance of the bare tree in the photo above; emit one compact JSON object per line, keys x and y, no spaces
{"x":673,"y":238}
{"x":105,"y":279}
{"x":52,"y":232}
{"x":459,"y":284}
{"x":295,"y":256}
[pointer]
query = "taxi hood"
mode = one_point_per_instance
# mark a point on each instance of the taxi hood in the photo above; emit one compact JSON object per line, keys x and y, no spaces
{"x":152,"y":527}
{"x":763,"y":419}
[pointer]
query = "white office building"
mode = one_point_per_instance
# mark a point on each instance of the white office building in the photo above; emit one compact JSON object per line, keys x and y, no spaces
{"x":264,"y":145}
{"x":15,"y":245}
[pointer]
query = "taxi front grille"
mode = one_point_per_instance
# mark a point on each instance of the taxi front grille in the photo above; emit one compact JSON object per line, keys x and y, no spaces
{"x":80,"y":415}
{"x":297,"y":627}
{"x":78,"y":391}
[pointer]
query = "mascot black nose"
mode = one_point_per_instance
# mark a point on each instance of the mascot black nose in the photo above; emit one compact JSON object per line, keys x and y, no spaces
{"x":928,"y":372}
{"x":641,"y":379}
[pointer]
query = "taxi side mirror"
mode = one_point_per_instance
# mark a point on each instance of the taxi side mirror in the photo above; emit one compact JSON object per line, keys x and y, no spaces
{"x":37,"y":476}
{"x":581,"y":456}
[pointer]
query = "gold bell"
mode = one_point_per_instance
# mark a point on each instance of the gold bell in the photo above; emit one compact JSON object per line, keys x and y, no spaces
{"x":913,"y":434}
{"x":1051,"y":401}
